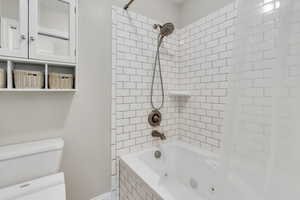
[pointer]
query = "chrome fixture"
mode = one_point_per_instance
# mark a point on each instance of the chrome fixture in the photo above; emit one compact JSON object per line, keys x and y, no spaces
{"x":128,"y":4}
{"x":164,"y":30}
{"x":212,"y":189}
{"x":157,"y":154}
{"x":158,"y":134}
{"x":23,"y":37}
{"x":32,"y":38}
{"x":154,"y":118}
{"x":193,"y":183}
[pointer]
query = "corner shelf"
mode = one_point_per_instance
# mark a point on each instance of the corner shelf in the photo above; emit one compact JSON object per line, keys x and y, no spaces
{"x":180,"y":93}
{"x":9,"y":64}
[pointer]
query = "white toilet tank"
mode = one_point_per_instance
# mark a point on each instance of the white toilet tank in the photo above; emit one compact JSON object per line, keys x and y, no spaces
{"x":28,"y":161}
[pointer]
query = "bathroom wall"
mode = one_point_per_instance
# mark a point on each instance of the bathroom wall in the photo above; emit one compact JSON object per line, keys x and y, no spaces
{"x":134,"y":44}
{"x":82,"y":119}
{"x":205,"y":64}
{"x":193,"y":10}
{"x":162,"y":10}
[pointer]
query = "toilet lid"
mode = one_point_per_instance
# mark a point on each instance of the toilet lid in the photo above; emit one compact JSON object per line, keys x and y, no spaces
{"x":53,"y":193}
{"x":45,"y":188}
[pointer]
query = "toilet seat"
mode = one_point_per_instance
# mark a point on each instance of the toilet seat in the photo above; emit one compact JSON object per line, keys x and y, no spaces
{"x":46,"y":188}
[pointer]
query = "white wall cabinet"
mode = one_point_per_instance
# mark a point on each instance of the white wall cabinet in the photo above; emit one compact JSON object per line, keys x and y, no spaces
{"x":52,"y":30}
{"x":38,"y":35}
{"x":38,"y":29}
{"x":14,"y":28}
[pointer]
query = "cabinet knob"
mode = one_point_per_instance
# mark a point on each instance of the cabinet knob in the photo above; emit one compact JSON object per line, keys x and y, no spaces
{"x":32,"y":38}
{"x":23,"y":36}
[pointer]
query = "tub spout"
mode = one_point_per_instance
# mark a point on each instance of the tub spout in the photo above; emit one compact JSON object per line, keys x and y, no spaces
{"x":158,"y":134}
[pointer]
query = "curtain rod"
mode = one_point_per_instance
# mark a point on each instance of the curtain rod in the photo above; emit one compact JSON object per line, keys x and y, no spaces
{"x":128,"y":4}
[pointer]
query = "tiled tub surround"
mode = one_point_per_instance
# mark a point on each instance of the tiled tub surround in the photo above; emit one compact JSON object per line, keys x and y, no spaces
{"x":196,"y":58}
{"x":132,"y":186}
{"x":183,"y":172}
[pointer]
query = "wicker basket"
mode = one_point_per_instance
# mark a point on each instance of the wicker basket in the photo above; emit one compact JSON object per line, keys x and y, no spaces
{"x":61,"y":81}
{"x":28,"y":79}
{"x":2,"y":78}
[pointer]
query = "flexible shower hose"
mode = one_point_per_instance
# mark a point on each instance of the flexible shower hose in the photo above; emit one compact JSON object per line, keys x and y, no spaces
{"x":157,"y":62}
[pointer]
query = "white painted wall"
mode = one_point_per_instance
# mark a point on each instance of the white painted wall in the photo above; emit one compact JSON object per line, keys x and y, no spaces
{"x":192,"y":10}
{"x":161,"y":10}
{"x":83,"y":120}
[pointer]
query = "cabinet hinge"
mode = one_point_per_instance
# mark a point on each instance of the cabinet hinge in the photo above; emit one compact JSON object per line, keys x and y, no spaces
{"x":75,"y":52}
{"x":75,"y":10}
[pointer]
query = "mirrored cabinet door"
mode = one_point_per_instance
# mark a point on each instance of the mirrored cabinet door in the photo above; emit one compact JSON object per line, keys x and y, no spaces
{"x":14,"y":28}
{"x":52,"y":30}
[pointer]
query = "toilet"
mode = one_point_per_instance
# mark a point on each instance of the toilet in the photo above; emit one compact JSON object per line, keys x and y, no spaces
{"x":30,"y":171}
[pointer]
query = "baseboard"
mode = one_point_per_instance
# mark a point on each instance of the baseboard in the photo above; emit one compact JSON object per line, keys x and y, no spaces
{"x":106,"y":196}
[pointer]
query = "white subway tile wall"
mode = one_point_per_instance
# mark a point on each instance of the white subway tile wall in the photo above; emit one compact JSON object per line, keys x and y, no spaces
{"x":205,"y":63}
{"x":134,"y":47}
{"x":196,"y":58}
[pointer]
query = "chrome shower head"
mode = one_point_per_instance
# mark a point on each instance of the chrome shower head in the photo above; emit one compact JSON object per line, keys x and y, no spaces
{"x":165,"y":30}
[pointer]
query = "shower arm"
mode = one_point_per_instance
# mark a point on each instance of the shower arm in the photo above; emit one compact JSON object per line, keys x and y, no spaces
{"x":128,"y":4}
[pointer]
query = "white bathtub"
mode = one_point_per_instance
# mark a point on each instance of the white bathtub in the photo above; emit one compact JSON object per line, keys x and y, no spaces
{"x":183,"y":171}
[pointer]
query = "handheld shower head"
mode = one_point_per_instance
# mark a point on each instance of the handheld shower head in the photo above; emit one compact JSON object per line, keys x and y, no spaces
{"x":165,"y":30}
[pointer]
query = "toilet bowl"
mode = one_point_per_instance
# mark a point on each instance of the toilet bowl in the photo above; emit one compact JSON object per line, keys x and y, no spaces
{"x":30,"y":171}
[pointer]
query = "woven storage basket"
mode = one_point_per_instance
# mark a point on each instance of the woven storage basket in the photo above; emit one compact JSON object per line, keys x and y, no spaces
{"x":2,"y":78}
{"x":28,"y":79}
{"x":60,"y":81}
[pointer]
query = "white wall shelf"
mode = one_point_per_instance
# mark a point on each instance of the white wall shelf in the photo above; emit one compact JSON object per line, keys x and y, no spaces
{"x":38,"y":90}
{"x":180,"y":93}
{"x":35,"y":65}
{"x":35,"y":61}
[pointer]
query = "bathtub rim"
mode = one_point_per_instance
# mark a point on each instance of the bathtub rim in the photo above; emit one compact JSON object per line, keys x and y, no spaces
{"x":148,"y":175}
{"x":190,"y":146}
